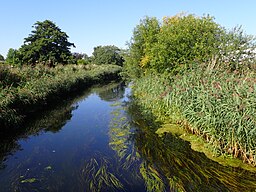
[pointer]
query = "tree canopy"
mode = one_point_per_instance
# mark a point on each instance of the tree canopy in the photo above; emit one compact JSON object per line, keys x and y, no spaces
{"x":108,"y":54}
{"x":170,"y":45}
{"x":13,"y":56}
{"x":182,"y":41}
{"x":46,"y":44}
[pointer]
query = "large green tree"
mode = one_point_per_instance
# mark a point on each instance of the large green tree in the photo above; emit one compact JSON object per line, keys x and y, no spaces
{"x":184,"y":41}
{"x":173,"y":44}
{"x":108,"y":54}
{"x":46,"y":44}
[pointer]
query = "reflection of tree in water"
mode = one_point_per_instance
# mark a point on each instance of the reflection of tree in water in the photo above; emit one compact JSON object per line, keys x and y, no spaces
{"x":51,"y":119}
{"x":111,"y":92}
{"x":171,"y":161}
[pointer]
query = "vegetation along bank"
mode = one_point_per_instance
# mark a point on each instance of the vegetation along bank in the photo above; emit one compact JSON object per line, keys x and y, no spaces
{"x":191,"y":71}
{"x":43,"y":70}
{"x":25,"y":90}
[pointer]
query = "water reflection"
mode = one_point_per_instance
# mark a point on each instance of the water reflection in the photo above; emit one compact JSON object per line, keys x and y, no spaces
{"x":112,"y":92}
{"x":100,"y":142}
{"x":51,"y":119}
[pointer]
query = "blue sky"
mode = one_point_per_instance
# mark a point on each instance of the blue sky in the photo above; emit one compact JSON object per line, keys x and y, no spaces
{"x":90,"y":23}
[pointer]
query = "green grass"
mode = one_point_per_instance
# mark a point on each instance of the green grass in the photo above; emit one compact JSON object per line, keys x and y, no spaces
{"x":219,"y":106}
{"x":25,"y":89}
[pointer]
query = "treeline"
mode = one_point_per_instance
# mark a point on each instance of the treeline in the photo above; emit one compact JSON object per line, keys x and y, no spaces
{"x":180,"y":42}
{"x":42,"y":71}
{"x":192,"y":71}
{"x":48,"y":44}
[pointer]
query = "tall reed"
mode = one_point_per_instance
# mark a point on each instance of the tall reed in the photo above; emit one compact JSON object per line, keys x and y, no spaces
{"x":219,"y":106}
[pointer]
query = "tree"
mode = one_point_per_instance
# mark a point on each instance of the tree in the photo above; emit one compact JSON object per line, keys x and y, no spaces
{"x":78,"y":56}
{"x":185,"y":39}
{"x":237,"y":51}
{"x":81,"y":58}
{"x":109,"y":54}
{"x":1,"y":57}
{"x":46,"y":44}
{"x":142,"y":41}
{"x":174,"y":44}
{"x":13,"y":56}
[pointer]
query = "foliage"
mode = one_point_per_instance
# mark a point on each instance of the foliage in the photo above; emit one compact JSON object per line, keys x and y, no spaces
{"x":144,"y":36}
{"x":109,"y":54}
{"x":207,"y":79}
{"x":13,"y":57}
{"x":183,"y":41}
{"x":78,"y":56}
{"x":47,"y":44}
{"x":25,"y":89}
{"x":237,"y":51}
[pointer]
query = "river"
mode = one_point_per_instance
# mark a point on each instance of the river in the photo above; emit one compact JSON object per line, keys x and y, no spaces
{"x":99,"y":141}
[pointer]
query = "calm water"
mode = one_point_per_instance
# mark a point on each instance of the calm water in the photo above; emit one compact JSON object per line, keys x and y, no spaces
{"x":99,"y":141}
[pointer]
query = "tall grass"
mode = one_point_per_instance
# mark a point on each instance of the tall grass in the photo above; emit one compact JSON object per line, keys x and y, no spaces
{"x":24,"y":90}
{"x":219,"y":106}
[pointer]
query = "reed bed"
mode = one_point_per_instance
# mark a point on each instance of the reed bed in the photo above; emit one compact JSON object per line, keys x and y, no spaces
{"x":219,"y":106}
{"x":25,"y":89}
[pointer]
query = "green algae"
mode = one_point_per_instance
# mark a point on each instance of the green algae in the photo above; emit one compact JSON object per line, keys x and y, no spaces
{"x":198,"y":144}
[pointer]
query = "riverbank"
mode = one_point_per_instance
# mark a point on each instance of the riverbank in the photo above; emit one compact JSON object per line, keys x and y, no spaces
{"x":217,"y":107}
{"x":26,"y":90}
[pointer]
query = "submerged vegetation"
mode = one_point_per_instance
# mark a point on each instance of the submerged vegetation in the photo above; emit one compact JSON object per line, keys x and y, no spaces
{"x":167,"y":163}
{"x":191,"y":71}
{"x":97,"y":176}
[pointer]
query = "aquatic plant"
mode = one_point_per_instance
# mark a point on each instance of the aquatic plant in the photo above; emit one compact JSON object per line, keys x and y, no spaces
{"x":152,"y":178}
{"x":180,"y":168}
{"x":120,"y":133}
{"x":96,"y":176}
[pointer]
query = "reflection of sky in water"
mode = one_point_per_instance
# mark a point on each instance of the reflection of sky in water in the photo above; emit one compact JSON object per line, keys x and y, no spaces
{"x":96,"y":136}
{"x":84,"y":136}
{"x":89,"y":120}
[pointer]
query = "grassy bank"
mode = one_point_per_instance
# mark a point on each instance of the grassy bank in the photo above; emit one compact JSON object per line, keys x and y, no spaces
{"x":25,"y":90}
{"x":219,"y":106}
